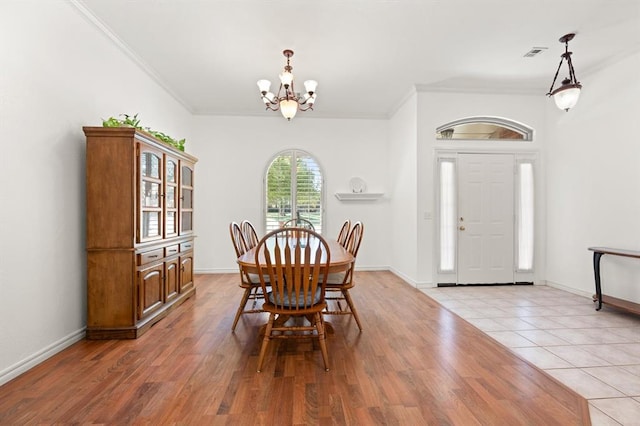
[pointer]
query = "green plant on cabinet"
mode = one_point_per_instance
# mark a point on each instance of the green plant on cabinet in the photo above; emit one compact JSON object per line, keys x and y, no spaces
{"x":134,"y":121}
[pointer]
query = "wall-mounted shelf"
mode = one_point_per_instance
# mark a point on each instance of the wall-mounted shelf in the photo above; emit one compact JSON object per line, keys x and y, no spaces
{"x":358,"y":196}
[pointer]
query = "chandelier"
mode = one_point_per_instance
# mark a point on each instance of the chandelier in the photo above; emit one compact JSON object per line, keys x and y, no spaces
{"x":287,"y":100}
{"x":566,"y":96}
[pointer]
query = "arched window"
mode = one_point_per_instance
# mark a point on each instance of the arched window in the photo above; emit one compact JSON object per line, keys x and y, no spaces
{"x":294,"y":188}
{"x":485,"y":128}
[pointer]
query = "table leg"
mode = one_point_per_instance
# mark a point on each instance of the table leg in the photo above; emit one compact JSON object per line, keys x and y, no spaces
{"x":328,"y":328}
{"x":596,"y":272}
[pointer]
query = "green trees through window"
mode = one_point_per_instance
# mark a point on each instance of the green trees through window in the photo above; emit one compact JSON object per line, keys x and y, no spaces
{"x":293,"y":192}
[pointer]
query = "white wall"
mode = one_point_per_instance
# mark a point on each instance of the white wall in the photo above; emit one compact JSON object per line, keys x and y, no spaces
{"x":593,"y":165}
{"x":437,"y":108}
{"x":234,"y":155}
{"x":403,"y":161}
{"x":57,"y":73}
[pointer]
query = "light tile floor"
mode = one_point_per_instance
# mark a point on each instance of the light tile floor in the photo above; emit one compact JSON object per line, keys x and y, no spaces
{"x":597,"y":354}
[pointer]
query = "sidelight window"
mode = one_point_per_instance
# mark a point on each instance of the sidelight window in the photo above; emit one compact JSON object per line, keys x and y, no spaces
{"x":448,"y":212}
{"x":524,"y":215}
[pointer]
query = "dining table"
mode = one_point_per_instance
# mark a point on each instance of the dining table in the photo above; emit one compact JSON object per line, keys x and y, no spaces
{"x":340,"y":260}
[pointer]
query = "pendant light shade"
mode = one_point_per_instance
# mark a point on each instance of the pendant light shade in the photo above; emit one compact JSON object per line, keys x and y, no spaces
{"x":264,"y":85}
{"x":288,"y":108}
{"x":310,"y":86}
{"x":566,"y":96}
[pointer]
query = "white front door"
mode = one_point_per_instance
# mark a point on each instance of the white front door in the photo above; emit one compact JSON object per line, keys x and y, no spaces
{"x":485,"y":218}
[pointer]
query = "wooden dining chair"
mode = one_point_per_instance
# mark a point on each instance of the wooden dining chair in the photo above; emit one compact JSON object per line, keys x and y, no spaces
{"x":293,"y":260}
{"x":339,"y":283}
{"x":249,"y":233}
{"x":299,"y":223}
{"x":250,"y":283}
{"x":343,"y":235}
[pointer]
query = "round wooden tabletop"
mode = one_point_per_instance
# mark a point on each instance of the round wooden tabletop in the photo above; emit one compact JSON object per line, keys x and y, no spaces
{"x":339,"y":259}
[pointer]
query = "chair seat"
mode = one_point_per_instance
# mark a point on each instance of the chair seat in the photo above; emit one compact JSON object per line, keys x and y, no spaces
{"x":299,"y":302}
{"x":336,"y":278}
{"x":255,"y":278}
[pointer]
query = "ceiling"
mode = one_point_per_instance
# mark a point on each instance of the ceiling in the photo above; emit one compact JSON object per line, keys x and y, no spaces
{"x":367,"y":55}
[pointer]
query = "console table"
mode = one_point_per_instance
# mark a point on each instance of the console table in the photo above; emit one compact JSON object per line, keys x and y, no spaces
{"x":598,"y":252}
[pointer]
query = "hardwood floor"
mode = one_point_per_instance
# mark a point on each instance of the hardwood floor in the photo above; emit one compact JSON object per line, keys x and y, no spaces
{"x":414,"y":363}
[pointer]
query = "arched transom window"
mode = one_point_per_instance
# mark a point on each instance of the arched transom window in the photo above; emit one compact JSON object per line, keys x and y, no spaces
{"x":294,"y":189}
{"x":485,"y":128}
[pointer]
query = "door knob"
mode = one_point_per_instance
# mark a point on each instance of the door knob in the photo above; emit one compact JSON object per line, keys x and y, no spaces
{"x":462,"y":228}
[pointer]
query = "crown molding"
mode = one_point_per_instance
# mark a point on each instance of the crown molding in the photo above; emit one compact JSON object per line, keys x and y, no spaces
{"x":124,"y":47}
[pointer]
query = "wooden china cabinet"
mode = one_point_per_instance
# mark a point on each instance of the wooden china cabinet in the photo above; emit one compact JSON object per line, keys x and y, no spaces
{"x":139,"y":231}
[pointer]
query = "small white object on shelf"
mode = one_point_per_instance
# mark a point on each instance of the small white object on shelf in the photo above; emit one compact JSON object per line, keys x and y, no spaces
{"x":358,"y":192}
{"x":357,"y":185}
{"x":358,"y":196}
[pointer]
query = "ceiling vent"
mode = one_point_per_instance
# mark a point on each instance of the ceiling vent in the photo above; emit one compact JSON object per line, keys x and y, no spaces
{"x":535,"y":51}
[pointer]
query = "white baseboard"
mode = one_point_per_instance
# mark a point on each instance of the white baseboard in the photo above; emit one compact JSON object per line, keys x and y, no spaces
{"x":572,"y":290}
{"x":423,"y":285}
{"x":411,"y":281}
{"x":371,"y":268}
{"x":404,"y":277}
{"x":31,"y":361}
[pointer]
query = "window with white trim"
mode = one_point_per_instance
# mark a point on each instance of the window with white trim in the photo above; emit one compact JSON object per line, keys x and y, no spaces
{"x":448,"y":212}
{"x":485,"y":128}
{"x":293,"y":188}
{"x":524,"y":216}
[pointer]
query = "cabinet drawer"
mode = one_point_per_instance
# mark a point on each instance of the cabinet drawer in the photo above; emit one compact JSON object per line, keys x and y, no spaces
{"x":186,"y":246}
{"x":150,"y":256}
{"x":171,"y":250}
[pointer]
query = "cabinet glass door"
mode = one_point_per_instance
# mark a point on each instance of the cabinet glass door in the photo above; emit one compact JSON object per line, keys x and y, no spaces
{"x":171,"y":197}
{"x":150,"y":192}
{"x":186,"y":199}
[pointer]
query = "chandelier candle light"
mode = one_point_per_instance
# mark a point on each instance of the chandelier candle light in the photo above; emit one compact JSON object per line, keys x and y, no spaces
{"x":287,"y":100}
{"x":566,"y":96}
